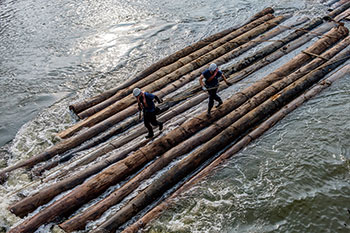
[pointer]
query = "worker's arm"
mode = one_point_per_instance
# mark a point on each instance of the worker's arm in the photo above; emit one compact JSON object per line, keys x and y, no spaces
{"x":201,"y":82}
{"x":140,"y":111}
{"x":225,"y":79}
{"x":158,"y":99}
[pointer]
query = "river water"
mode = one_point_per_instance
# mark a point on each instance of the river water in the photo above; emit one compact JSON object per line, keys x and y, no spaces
{"x":295,"y":178}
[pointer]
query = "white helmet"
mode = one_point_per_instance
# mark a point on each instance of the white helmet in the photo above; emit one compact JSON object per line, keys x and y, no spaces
{"x":136,"y":92}
{"x":213,"y":67}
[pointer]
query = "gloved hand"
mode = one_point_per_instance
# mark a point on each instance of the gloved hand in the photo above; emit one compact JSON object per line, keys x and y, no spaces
{"x":204,"y":88}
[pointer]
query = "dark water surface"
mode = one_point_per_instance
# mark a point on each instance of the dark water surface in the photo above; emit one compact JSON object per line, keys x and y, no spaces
{"x":293,"y":179}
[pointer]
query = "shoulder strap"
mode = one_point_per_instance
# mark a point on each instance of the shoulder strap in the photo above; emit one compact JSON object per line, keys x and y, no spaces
{"x":213,"y":76}
{"x":144,"y":100}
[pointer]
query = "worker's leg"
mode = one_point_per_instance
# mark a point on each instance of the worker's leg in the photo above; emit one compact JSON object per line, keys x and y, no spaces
{"x":153,"y":120}
{"x":147,"y":118}
{"x":213,"y":96}
{"x":217,"y":98}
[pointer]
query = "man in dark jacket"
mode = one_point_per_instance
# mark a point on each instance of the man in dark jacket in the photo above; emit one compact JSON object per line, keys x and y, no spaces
{"x":211,"y":76}
{"x":146,"y":104}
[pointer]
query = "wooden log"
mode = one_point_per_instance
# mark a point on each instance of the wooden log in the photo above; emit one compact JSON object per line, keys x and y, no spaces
{"x":103,"y":151}
{"x":175,"y":85}
{"x":173,"y":67}
{"x":339,"y":3}
{"x":233,"y":78}
{"x":26,"y":205}
{"x":114,"y":144}
{"x":272,"y":47}
{"x":64,"y":134}
{"x":280,"y":43}
{"x":58,"y":148}
{"x":257,"y":56}
{"x":262,"y":128}
{"x":342,"y":16}
{"x":219,"y":142}
{"x":339,"y":10}
{"x":251,"y":68}
{"x":118,"y":171}
{"x":94,"y":142}
{"x":331,"y":2}
{"x":225,"y":58}
{"x":94,"y":212}
{"x":160,"y":83}
{"x":81,"y":106}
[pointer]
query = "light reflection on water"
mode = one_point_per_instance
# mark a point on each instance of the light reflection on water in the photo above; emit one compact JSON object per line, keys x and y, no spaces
{"x":55,"y":53}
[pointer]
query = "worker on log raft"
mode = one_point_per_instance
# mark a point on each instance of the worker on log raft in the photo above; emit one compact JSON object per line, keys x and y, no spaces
{"x":211,"y":76}
{"x":145,"y":103}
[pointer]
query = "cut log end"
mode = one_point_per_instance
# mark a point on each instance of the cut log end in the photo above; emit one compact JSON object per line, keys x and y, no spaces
{"x":72,"y":108}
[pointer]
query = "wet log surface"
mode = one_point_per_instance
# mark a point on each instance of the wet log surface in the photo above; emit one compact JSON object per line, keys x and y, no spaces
{"x":200,"y":138}
{"x":85,"y":104}
{"x":262,"y":128}
{"x":240,"y":113}
{"x":249,"y":31}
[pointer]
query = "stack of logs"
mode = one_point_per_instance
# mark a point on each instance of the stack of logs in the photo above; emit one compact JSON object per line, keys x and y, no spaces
{"x":196,"y":140}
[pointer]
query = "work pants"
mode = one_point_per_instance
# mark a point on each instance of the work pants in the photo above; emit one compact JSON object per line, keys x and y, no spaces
{"x":148,"y":119}
{"x":213,"y":96}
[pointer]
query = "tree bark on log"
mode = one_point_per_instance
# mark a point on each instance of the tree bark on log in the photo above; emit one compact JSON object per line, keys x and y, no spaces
{"x":175,"y":85}
{"x":26,"y":205}
{"x":272,"y":47}
{"x":81,"y":106}
{"x":118,"y":171}
{"x":173,"y":67}
{"x":56,"y":149}
{"x":194,"y":160}
{"x":77,"y":140}
{"x":339,"y":3}
{"x":124,"y":103}
{"x":339,"y":10}
{"x":262,"y":128}
{"x":181,"y":82}
{"x":112,"y":109}
{"x":331,"y":2}
{"x":94,"y":212}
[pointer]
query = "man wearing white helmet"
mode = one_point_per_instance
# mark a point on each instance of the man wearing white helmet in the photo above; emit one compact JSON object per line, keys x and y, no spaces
{"x":211,"y":76}
{"x":146,"y":104}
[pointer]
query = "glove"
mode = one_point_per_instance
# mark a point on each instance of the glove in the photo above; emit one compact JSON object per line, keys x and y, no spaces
{"x":204,"y":88}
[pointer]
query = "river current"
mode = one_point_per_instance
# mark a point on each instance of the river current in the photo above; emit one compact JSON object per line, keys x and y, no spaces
{"x":295,"y":178}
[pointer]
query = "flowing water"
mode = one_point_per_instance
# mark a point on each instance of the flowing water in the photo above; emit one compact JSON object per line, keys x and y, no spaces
{"x":293,"y":179}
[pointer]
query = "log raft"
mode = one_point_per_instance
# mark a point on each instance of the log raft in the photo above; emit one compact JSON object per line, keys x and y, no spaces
{"x":87,"y":103}
{"x":96,"y":211}
{"x":128,"y":165}
{"x":124,"y":105}
{"x":262,"y":128}
{"x":240,"y":113}
{"x":73,"y":142}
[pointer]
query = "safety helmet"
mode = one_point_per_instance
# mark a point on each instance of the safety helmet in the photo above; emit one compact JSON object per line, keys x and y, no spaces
{"x":136,"y":92}
{"x":213,"y":67}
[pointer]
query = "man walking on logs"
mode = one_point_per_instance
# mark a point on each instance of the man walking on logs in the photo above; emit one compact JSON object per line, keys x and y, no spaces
{"x":211,"y":76}
{"x":145,"y":103}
